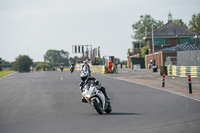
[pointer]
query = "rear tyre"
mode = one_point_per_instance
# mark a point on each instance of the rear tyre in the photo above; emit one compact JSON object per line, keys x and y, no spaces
{"x":97,"y":107}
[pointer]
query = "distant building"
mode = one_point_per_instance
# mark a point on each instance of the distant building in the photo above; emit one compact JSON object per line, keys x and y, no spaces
{"x":182,"y":54}
{"x":135,"y":52}
{"x":137,"y":46}
{"x":168,"y":35}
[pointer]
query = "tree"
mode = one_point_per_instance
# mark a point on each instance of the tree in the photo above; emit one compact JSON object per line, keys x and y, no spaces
{"x":145,"y":25}
{"x":180,"y":23}
{"x":117,"y":61}
{"x":57,"y":57}
{"x":22,"y":63}
{"x":43,"y":66}
{"x":194,"y":24}
{"x":144,"y":51}
{"x":123,"y":62}
{"x":4,"y":62}
{"x":73,"y":60}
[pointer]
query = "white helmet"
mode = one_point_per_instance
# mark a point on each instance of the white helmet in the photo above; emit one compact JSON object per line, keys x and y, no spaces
{"x":85,"y":62}
{"x":84,"y":75}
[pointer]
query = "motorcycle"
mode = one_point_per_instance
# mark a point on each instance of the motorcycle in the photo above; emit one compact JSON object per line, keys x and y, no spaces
{"x":96,"y":98}
{"x":61,"y":68}
{"x":72,"y":69}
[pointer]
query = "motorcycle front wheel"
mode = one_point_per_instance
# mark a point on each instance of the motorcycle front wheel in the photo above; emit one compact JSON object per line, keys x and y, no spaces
{"x":97,"y":107}
{"x":108,"y":109}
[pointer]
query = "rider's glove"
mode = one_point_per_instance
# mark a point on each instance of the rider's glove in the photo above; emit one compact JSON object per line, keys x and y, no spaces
{"x":80,"y":87}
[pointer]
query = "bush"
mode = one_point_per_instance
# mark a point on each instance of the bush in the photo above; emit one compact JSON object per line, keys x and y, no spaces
{"x":144,"y":51}
{"x":22,"y":63}
{"x":163,"y":69}
{"x":42,"y":66}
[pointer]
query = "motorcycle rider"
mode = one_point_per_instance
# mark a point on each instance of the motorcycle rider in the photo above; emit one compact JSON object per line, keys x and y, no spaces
{"x":61,"y":67}
{"x":85,"y":78}
{"x":85,"y":67}
{"x":72,"y":67}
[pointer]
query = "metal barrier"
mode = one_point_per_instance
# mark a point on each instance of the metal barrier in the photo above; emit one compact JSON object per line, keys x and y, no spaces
{"x":183,"y":71}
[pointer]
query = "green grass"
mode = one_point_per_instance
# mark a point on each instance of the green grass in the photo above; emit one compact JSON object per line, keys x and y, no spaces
{"x":4,"y":73}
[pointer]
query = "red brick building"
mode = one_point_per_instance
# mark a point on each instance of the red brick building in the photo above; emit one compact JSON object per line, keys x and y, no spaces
{"x":166,"y":36}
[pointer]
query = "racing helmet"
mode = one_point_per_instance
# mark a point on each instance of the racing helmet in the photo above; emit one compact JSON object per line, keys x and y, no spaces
{"x":85,"y":62}
{"x":83,"y":75}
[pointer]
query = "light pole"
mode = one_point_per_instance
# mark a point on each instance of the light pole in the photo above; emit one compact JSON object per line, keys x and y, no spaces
{"x":152,"y":40}
{"x":145,"y":31}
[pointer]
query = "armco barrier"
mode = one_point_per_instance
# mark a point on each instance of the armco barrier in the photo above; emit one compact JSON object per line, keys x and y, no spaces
{"x":183,"y":71}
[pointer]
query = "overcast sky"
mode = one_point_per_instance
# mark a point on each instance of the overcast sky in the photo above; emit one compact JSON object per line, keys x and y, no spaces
{"x":31,"y":27}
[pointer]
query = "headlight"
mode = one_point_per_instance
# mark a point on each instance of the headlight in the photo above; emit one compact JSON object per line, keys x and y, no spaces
{"x":88,"y":96}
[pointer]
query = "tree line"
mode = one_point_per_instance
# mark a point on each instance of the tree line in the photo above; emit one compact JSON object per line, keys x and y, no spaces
{"x":52,"y":58}
{"x":144,"y":25}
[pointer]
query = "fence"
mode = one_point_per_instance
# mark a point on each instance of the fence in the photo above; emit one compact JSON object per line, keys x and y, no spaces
{"x":183,"y":71}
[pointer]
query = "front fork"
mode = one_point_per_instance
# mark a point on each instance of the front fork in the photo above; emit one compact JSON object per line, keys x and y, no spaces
{"x":98,"y":101}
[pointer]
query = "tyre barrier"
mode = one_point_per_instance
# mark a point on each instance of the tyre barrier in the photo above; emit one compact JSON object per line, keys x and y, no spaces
{"x":98,"y":69}
{"x":183,"y":71}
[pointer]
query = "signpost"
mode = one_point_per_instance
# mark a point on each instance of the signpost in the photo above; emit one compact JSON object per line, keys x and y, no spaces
{"x":81,"y":48}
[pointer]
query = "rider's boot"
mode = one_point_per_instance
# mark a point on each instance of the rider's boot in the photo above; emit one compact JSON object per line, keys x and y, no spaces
{"x":106,"y":97}
{"x":105,"y":94}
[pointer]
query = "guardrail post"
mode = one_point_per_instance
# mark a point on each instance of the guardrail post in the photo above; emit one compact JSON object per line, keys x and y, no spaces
{"x":163,"y":82}
{"x":190,"y":84}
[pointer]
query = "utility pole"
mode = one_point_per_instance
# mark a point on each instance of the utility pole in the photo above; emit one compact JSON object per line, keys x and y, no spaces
{"x":145,"y":31}
{"x":152,"y":40}
{"x":0,"y":64}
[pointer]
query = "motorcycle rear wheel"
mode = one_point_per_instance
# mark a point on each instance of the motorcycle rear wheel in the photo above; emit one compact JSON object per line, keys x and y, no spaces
{"x":97,"y":107}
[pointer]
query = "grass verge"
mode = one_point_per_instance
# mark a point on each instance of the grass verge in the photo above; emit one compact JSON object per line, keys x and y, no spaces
{"x":5,"y":73}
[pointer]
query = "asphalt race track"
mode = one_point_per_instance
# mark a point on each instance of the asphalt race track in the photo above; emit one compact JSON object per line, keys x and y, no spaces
{"x":50,"y":102}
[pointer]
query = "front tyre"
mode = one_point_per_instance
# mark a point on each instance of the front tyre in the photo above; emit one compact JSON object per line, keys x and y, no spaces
{"x":97,"y":107}
{"x":108,"y":109}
